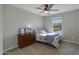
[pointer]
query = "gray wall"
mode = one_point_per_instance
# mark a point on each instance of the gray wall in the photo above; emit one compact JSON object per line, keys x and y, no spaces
{"x":15,"y":18}
{"x":70,"y":25}
{"x":78,"y":23}
{"x":1,"y":23}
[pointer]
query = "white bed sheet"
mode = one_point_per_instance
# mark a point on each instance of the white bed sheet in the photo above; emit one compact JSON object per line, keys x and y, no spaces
{"x":41,"y":37}
{"x":45,"y":34}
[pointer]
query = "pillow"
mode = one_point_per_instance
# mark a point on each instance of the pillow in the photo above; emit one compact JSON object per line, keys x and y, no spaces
{"x":42,"y":32}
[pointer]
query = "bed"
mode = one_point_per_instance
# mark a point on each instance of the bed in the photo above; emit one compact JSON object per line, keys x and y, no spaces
{"x":49,"y":38}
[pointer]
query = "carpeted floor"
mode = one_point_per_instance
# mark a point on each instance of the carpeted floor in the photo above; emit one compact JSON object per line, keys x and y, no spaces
{"x":42,"y":49}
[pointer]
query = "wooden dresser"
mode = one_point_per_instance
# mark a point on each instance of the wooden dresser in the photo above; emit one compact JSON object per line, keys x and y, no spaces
{"x":26,"y":39}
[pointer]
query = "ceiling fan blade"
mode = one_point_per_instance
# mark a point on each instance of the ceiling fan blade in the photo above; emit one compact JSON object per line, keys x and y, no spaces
{"x":41,"y":12}
{"x":53,"y":10}
{"x":50,"y":6}
{"x":40,"y":8}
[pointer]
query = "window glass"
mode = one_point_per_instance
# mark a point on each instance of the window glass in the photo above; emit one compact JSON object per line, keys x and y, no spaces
{"x":57,"y":24}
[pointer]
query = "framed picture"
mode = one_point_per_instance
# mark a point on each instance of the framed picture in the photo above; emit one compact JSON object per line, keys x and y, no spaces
{"x":22,"y":31}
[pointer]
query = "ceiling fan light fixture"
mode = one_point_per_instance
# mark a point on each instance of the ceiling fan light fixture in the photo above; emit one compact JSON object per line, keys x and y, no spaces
{"x":46,"y":12}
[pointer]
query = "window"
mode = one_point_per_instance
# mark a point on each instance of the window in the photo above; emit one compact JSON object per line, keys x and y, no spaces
{"x":57,"y":24}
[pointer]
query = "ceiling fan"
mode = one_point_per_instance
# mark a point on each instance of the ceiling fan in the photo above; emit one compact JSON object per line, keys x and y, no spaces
{"x":46,"y":8}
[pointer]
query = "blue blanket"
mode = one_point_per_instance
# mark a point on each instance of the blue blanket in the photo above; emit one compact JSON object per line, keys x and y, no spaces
{"x":50,"y":38}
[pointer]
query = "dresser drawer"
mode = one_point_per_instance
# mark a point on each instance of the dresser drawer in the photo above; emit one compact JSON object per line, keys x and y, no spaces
{"x":26,"y":40}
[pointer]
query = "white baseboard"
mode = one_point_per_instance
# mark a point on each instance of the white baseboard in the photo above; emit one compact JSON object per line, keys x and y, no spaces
{"x":10,"y":48}
{"x":75,"y":42}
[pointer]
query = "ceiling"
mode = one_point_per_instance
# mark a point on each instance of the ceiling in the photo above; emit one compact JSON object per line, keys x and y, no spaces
{"x":62,"y":8}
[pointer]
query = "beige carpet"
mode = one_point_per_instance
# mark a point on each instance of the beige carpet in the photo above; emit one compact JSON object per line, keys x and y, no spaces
{"x":42,"y":49}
